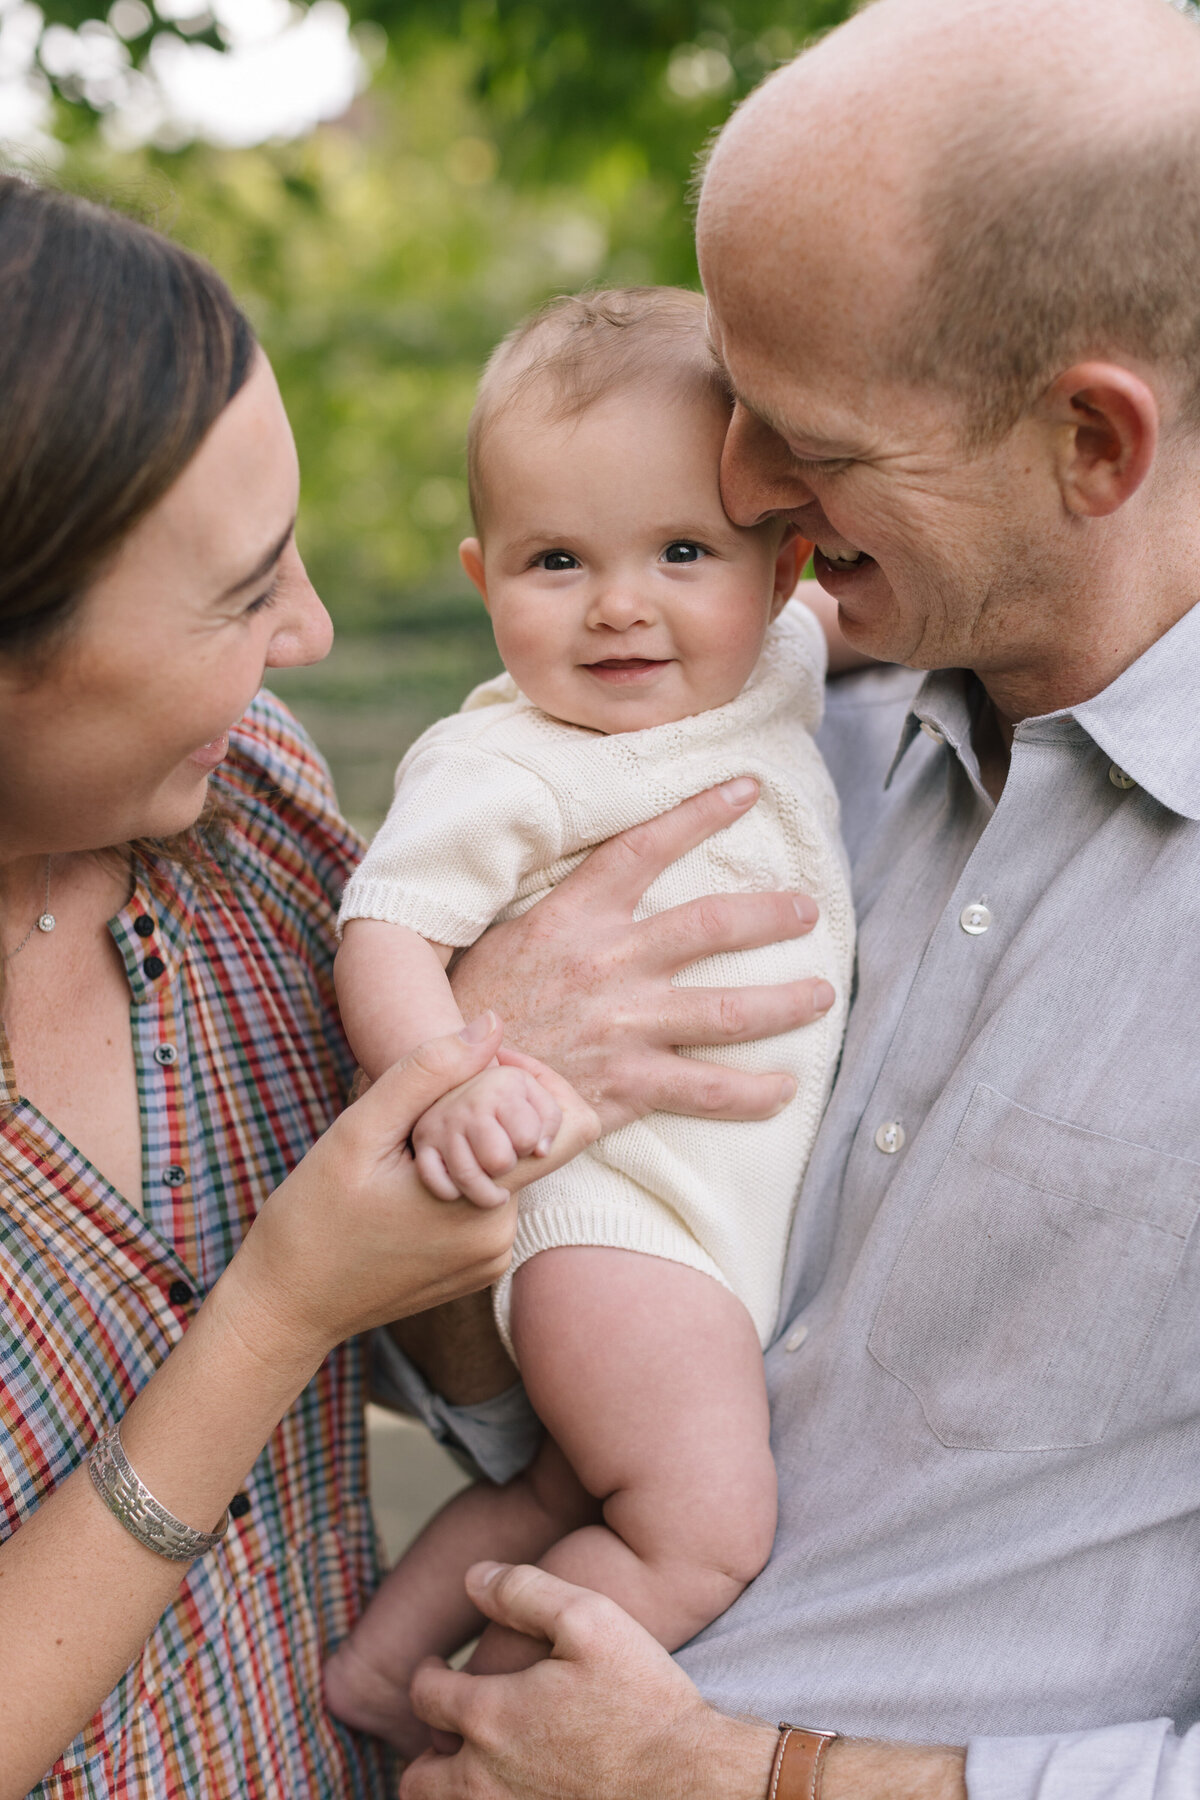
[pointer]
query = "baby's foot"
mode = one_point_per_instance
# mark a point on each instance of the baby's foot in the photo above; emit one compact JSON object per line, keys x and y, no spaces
{"x":369,"y":1699}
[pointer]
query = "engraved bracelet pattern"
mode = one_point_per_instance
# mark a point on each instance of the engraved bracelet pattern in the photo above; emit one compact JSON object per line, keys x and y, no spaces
{"x":130,"y":1501}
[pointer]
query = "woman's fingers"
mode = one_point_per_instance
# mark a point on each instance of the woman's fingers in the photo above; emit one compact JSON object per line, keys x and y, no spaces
{"x":618,"y":872}
{"x":711,"y":1016}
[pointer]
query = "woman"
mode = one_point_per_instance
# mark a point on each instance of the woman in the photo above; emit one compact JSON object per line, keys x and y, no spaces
{"x":169,"y":1050}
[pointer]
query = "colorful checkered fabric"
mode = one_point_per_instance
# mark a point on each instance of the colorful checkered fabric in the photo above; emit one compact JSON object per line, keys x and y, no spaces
{"x":241,"y":1064}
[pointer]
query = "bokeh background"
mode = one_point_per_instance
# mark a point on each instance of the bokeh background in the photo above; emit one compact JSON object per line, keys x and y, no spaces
{"x":387,"y":187}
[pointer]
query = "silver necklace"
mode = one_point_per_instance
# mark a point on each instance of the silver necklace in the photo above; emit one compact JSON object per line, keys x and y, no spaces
{"x":45,"y":920}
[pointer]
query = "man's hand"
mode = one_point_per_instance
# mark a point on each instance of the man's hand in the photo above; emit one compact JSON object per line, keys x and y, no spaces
{"x":589,"y":991}
{"x":608,"y":1716}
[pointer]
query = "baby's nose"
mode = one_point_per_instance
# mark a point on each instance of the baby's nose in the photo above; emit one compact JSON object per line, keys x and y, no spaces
{"x":620,"y":605}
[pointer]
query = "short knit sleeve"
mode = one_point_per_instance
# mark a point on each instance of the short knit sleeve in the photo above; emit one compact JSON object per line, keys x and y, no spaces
{"x":465,"y":827}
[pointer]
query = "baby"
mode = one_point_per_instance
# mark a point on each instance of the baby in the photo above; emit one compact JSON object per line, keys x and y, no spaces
{"x":651,"y":653}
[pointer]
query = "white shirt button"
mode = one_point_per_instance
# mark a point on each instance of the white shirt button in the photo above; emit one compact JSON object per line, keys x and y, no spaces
{"x":975,"y":918}
{"x":1119,"y":778}
{"x":933,"y":731}
{"x":890,"y":1137}
{"x":794,"y":1339}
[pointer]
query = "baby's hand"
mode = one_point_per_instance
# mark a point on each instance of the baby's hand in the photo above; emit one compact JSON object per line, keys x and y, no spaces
{"x":483,"y":1129}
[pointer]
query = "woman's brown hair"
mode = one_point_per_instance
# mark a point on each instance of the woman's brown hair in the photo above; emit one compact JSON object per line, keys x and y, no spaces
{"x":118,"y":351}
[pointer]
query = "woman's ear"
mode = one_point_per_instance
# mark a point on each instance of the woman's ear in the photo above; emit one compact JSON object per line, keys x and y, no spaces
{"x":790,"y":565}
{"x":1106,"y":420}
{"x":470,"y":555}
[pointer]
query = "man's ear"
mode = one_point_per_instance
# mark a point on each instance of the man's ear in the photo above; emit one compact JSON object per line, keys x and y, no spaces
{"x":470,"y":555}
{"x":1108,"y":422}
{"x":790,"y":564}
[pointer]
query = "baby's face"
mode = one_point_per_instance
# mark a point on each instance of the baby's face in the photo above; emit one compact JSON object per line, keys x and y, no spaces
{"x":620,"y":594}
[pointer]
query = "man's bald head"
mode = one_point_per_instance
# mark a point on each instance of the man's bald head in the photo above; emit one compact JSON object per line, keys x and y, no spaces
{"x":989,"y":193}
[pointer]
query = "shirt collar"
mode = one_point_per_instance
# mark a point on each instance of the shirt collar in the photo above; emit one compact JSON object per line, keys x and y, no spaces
{"x":1145,"y":721}
{"x":152,"y":929}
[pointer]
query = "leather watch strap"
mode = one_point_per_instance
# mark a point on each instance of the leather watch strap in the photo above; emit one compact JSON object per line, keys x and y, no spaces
{"x":799,"y":1763}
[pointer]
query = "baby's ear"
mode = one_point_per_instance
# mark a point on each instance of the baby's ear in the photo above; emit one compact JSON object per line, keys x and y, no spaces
{"x":790,"y":564}
{"x":470,"y":555}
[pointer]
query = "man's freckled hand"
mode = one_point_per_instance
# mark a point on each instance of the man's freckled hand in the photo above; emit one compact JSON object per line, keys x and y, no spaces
{"x":481,"y":1131}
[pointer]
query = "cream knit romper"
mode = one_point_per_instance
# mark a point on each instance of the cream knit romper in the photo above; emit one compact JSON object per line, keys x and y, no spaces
{"x":494,"y":806}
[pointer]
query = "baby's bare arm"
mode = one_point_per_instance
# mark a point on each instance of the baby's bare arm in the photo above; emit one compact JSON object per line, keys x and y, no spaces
{"x":392,"y":991}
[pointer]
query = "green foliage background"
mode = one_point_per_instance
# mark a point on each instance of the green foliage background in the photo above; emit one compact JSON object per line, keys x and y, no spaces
{"x":504,"y":150}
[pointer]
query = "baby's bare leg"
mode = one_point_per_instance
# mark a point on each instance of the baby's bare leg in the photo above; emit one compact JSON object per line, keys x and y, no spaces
{"x":422,"y":1609}
{"x":649,"y":1376}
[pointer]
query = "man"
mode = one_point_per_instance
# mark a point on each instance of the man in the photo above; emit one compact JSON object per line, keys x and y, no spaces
{"x":952,"y":258}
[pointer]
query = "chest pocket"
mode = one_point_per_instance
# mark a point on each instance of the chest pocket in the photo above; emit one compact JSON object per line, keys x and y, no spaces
{"x":1031,"y":1278}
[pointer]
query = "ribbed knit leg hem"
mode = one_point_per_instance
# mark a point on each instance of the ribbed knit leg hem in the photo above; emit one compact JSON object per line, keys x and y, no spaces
{"x":649,"y":1229}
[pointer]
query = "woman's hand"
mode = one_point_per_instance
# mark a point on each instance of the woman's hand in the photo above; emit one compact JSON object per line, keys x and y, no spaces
{"x":353,"y":1238}
{"x":607,"y":1716}
{"x":590,"y":991}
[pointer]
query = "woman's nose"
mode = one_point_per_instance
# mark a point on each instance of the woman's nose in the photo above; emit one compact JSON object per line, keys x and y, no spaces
{"x":759,"y":475}
{"x":304,"y":632}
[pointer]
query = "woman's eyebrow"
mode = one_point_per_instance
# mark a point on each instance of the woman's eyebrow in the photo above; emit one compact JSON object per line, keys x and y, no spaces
{"x":262,"y":565}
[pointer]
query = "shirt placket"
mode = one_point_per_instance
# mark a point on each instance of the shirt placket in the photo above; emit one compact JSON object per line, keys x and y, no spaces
{"x":151,"y":943}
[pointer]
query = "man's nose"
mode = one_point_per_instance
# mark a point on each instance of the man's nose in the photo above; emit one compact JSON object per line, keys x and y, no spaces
{"x":759,"y":475}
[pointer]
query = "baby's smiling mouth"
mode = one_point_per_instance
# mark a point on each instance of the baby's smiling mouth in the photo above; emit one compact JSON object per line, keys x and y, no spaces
{"x":625,"y":668}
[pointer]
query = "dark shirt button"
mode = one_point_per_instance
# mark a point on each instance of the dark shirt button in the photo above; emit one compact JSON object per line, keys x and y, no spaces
{"x":239,"y":1506}
{"x":144,"y":925}
{"x":180,"y":1294}
{"x":154,"y":967}
{"x":173,"y":1175}
{"x":165,"y":1055}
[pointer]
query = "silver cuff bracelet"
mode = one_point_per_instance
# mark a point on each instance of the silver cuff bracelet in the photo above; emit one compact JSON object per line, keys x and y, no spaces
{"x":130,"y":1501}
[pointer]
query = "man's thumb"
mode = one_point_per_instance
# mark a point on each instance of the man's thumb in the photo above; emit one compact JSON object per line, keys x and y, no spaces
{"x":535,"y":1603}
{"x":409,"y":1088}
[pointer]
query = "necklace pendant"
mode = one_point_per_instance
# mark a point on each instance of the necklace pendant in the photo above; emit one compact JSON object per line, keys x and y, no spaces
{"x":47,"y":922}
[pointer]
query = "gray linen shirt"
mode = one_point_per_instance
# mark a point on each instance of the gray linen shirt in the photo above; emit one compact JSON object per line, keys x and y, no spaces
{"x":985,"y":1392}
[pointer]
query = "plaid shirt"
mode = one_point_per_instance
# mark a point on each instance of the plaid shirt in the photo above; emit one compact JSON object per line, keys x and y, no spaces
{"x":241,"y":1064}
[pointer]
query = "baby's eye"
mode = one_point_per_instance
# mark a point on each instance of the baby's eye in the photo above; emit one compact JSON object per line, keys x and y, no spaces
{"x":556,"y":560}
{"x":682,"y":551}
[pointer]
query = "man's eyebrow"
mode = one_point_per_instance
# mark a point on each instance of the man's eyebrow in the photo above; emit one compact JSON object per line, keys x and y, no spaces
{"x":262,"y":565}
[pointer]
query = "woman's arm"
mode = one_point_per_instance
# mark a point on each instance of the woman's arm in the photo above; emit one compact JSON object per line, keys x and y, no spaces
{"x":349,"y":1240}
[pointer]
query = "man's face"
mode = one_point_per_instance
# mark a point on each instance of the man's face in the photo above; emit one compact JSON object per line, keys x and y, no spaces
{"x":938,"y":557}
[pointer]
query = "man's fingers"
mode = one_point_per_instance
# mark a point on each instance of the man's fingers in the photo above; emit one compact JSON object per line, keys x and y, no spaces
{"x":408,"y":1089}
{"x":685,"y":934}
{"x":700,"y":1016}
{"x":705,"y":1090}
{"x":623,"y":868}
{"x":441,"y":1697}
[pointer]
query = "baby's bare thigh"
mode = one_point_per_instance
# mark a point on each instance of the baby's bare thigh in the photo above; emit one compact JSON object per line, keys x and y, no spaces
{"x":648,"y":1375}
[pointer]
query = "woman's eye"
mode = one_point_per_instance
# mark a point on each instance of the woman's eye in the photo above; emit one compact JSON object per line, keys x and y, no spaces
{"x":556,"y":560}
{"x":682,"y":552}
{"x":261,"y":603}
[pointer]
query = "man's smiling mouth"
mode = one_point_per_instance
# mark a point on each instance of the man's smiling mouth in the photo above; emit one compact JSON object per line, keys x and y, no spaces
{"x":836,"y":561}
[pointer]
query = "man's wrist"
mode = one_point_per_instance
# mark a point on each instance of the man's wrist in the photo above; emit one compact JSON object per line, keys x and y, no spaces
{"x":732,"y":1760}
{"x":858,"y":1769}
{"x":456,"y":1348}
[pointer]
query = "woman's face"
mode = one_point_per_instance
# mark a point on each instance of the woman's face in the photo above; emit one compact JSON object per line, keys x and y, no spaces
{"x":114,"y":734}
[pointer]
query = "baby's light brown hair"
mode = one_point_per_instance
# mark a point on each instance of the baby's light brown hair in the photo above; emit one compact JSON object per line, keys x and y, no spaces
{"x":580,"y":348}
